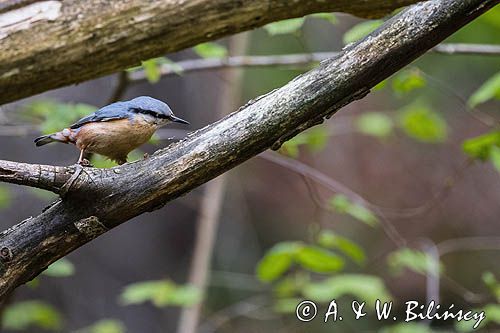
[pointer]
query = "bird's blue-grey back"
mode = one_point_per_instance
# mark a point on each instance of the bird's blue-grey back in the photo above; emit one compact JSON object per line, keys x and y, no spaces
{"x":125,"y":110}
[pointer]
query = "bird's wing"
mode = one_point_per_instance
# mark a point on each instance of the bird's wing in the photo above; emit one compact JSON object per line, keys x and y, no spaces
{"x":113,"y":111}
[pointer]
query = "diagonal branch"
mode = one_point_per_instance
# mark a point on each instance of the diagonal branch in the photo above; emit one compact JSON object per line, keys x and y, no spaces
{"x":99,"y":200}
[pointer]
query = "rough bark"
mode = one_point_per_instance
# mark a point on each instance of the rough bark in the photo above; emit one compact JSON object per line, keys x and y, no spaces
{"x":50,"y":44}
{"x":98,"y":200}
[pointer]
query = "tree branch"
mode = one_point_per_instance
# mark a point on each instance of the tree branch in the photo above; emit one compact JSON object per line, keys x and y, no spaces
{"x":73,"y":41}
{"x":300,"y":59}
{"x":47,"y":177}
{"x":99,"y":200}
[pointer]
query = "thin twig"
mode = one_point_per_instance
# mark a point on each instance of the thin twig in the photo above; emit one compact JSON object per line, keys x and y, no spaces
{"x":288,"y":60}
{"x":468,"y":244}
{"x":468,"y":49}
{"x":336,"y":187}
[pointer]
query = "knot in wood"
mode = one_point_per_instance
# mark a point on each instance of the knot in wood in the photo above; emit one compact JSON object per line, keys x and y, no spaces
{"x":6,"y":254}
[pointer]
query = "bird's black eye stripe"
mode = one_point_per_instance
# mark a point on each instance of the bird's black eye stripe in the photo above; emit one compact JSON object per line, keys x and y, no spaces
{"x":151,"y":113}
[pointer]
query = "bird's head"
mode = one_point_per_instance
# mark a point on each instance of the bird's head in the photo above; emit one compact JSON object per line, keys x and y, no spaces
{"x":157,"y":110}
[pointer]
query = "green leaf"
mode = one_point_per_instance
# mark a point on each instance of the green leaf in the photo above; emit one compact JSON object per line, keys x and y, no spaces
{"x":492,"y":283}
{"x":330,"y":17}
{"x":489,"y":90}
{"x":315,"y":139}
{"x":104,"y":326}
{"x":5,"y":197}
{"x":172,"y":65}
{"x":291,"y":285}
{"x":406,"y":258}
{"x":363,"y":287}
{"x":286,"y":305}
{"x":495,"y":157}
{"x":423,"y":124}
{"x":33,"y":284}
{"x":160,"y":293}
{"x":277,"y":261}
{"x":492,"y":315}
{"x":102,"y":162}
{"x":22,"y":315}
{"x":61,"y":268}
{"x":152,"y":70}
{"x":408,"y":80}
{"x":56,"y":116}
{"x":481,"y":146}
{"x":331,"y":240}
{"x":343,"y":205}
{"x":361,"y":30}
{"x":285,"y":27}
{"x":319,"y":260}
{"x":374,"y":124}
{"x":381,"y":85}
{"x":210,"y":50}
{"x":407,"y":328}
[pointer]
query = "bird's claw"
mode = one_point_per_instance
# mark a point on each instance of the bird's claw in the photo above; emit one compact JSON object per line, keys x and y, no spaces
{"x":146,"y":156}
{"x":85,"y":163}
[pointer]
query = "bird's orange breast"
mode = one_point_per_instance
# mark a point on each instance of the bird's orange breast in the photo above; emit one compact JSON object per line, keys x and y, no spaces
{"x":114,"y":138}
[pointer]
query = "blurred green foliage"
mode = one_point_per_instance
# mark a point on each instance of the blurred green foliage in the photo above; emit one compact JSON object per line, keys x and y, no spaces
{"x":160,"y":293}
{"x":408,"y":80}
{"x":104,"y":326}
{"x":61,"y":268}
{"x":342,"y":204}
{"x":329,"y":17}
{"x":330,"y":240}
{"x":289,"y":26}
{"x":54,"y":116}
{"x":485,"y":147}
{"x":420,"y":122}
{"x":366,"y":288}
{"x":152,"y":69}
{"x":407,"y":328}
{"x":491,"y":311}
{"x":318,"y":260}
{"x":26,"y":314}
{"x":292,"y":26}
{"x":100,"y":161}
{"x":5,"y":197}
{"x":480,"y":147}
{"x":315,"y":139}
{"x":361,"y":30}
{"x":492,"y":315}
{"x":375,"y":124}
{"x":281,"y":256}
{"x":488,"y":90}
{"x":414,"y":260}
{"x":210,"y":50}
{"x":492,"y":283}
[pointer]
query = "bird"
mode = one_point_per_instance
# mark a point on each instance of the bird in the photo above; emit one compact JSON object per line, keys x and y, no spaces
{"x":115,"y":129}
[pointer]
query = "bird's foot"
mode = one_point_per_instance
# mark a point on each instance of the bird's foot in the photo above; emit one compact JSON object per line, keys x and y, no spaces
{"x":146,"y":156}
{"x":85,"y":163}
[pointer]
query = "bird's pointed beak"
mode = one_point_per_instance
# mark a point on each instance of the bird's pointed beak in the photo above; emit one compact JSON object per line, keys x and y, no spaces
{"x":178,"y":120}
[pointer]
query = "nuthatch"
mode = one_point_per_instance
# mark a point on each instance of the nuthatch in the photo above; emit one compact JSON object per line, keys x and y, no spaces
{"x":116,"y":129}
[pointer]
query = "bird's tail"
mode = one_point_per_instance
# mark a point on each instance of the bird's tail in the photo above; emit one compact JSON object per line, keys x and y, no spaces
{"x":54,"y":137}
